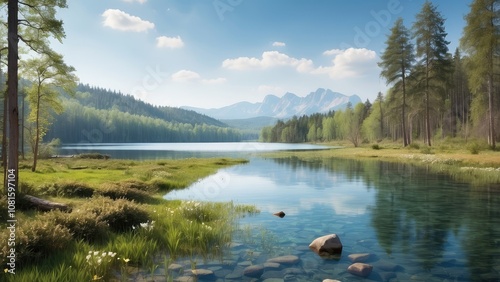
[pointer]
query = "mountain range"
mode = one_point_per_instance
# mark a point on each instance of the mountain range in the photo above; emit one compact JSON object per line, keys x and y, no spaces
{"x":289,"y":105}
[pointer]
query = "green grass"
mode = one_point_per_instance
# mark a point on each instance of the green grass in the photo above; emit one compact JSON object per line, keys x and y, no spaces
{"x":472,"y":162}
{"x":105,"y":238}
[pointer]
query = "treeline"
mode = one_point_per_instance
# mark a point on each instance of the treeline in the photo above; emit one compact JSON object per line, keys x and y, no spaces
{"x":102,"y":99}
{"x":433,"y":93}
{"x":90,"y":125}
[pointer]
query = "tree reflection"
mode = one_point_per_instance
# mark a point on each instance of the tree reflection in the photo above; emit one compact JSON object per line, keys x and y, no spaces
{"x":416,"y":212}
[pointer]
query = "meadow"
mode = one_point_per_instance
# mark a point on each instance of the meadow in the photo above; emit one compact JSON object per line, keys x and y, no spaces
{"x":119,"y":225}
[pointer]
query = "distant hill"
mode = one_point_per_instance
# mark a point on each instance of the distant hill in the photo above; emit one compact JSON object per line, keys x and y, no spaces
{"x":96,"y":115}
{"x":102,"y":99}
{"x":320,"y":101}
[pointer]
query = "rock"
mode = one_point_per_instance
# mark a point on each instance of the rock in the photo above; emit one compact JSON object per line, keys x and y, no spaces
{"x":272,"y":274}
{"x":327,"y":245}
{"x":202,"y":273}
{"x":175,"y":267}
{"x":330,"y":280}
{"x":286,"y":260}
{"x":359,"y":257}
{"x":253,"y":271}
{"x":360,"y":269}
{"x":280,"y":214}
{"x":271,"y":266}
{"x":274,"y":280}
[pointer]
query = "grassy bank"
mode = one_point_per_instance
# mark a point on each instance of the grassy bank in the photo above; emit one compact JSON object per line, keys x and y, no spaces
{"x":468,"y":162}
{"x":119,"y":222}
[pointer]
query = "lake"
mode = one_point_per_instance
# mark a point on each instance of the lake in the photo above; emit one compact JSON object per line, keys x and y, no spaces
{"x":409,"y":224}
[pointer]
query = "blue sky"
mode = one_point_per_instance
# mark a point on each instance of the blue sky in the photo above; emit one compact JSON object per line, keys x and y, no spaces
{"x":213,"y":53}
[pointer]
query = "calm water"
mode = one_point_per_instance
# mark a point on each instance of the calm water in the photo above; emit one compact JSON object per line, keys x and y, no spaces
{"x":149,"y":151}
{"x":416,"y":225}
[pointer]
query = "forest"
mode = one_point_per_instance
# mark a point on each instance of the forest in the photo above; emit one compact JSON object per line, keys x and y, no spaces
{"x":96,"y":115}
{"x":433,"y":94}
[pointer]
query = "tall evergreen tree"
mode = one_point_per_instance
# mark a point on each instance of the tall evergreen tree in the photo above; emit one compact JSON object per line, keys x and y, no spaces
{"x":481,"y":40}
{"x":432,"y":57}
{"x":397,"y":61}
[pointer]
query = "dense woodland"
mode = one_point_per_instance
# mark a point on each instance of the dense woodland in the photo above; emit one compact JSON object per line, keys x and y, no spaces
{"x":98,"y":115}
{"x":433,"y":94}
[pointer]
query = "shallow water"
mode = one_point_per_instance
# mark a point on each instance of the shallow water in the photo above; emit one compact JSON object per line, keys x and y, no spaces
{"x":415,"y":225}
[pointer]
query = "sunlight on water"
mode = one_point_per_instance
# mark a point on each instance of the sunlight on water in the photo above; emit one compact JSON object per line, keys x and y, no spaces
{"x":413,"y":225}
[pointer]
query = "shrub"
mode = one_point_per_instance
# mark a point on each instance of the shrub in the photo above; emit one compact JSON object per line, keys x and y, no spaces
{"x":83,"y":225}
{"x":115,"y":191}
{"x":67,"y":189}
{"x":35,"y":239}
{"x":376,"y":147}
{"x":474,"y":148}
{"x":414,"y":146}
{"x":120,"y":214}
{"x":95,"y":156}
{"x":426,"y":150}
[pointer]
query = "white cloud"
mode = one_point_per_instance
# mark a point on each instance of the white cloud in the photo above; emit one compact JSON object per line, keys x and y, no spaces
{"x":349,"y":63}
{"x":219,"y":80}
{"x":169,"y":42}
{"x":138,"y":1}
{"x":185,"y":76}
{"x":117,"y":19}
{"x":269,"y":59}
{"x":192,"y":76}
{"x":279,"y":44}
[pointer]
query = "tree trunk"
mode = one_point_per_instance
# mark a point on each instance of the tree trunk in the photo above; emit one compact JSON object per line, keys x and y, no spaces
{"x":44,"y":205}
{"x":13,"y":111}
{"x":37,"y":131}
{"x":491,"y":137}
{"x":403,"y":117}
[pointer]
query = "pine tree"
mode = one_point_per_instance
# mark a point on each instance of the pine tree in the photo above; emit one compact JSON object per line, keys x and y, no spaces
{"x":397,"y":61}
{"x":481,"y":40}
{"x":432,"y":57}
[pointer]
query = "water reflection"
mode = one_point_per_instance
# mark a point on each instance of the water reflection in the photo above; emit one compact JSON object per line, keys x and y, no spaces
{"x":431,"y":227}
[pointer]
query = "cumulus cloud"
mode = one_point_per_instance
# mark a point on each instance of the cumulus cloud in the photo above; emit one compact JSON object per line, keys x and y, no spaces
{"x":279,"y":44}
{"x":347,"y":63}
{"x":119,"y":20}
{"x":169,"y":42}
{"x":185,"y":76}
{"x":192,"y":76}
{"x":269,"y":59}
{"x":219,"y":80}
{"x":138,"y":1}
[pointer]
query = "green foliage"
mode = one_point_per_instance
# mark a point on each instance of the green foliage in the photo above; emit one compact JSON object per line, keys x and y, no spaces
{"x":35,"y":239}
{"x":82,"y":225}
{"x":376,"y":147}
{"x":474,"y":148}
{"x":70,"y":189}
{"x":93,"y":156}
{"x":120,"y":214}
{"x":117,"y":191}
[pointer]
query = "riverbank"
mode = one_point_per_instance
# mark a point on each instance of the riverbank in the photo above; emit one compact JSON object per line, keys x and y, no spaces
{"x":118,"y":223}
{"x":463,"y":162}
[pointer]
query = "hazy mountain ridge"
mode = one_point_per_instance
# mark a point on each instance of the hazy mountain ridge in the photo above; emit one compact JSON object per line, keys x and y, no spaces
{"x":320,"y":101}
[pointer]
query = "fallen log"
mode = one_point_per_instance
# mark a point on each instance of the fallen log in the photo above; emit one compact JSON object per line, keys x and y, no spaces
{"x":45,"y":205}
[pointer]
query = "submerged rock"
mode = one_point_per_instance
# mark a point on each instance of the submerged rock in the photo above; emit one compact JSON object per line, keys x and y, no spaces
{"x":280,"y":214}
{"x":359,"y":257}
{"x":360,"y":269}
{"x":253,"y":271}
{"x":327,"y":245}
{"x":285,"y":260}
